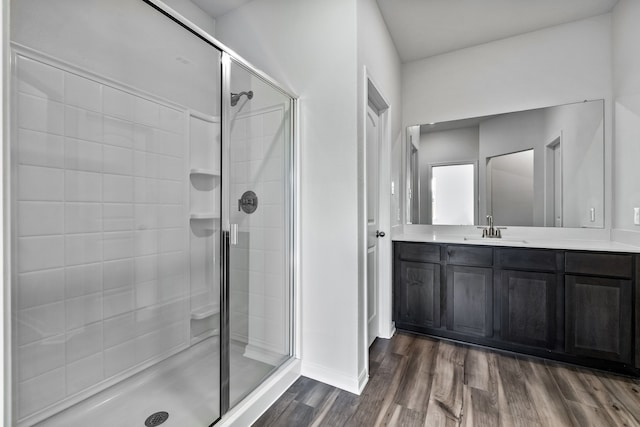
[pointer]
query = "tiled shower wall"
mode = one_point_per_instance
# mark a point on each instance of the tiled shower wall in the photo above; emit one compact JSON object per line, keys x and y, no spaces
{"x":258,"y":296}
{"x":100,"y":201}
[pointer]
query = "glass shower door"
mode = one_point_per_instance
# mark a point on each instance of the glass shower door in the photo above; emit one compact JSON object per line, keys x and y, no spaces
{"x":115,"y":207}
{"x":258,"y":218}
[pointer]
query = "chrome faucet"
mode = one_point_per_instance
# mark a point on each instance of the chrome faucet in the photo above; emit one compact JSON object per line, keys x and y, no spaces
{"x":490,"y":231}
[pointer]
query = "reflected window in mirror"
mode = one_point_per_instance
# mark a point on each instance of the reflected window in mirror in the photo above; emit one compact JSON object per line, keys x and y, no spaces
{"x":453,"y":194}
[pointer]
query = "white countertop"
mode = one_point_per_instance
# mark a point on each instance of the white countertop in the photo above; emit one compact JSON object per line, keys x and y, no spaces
{"x":514,"y":241}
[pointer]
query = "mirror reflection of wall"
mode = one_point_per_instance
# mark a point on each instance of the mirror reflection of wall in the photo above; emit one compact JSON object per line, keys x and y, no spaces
{"x":510,"y":183}
{"x":566,"y":144}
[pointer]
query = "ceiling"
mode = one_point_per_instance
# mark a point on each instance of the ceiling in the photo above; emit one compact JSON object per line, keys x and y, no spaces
{"x":216,"y":8}
{"x":423,"y":28}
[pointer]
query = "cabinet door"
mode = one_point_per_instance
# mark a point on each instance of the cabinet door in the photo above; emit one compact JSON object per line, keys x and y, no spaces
{"x":528,"y":308}
{"x":598,"y":317}
{"x":470,"y":300}
{"x":417,"y":295}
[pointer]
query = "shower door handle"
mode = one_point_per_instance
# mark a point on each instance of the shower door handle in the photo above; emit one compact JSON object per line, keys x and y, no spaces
{"x":233,"y":234}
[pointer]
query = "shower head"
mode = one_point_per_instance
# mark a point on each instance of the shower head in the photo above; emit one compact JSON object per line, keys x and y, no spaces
{"x":235,"y":97}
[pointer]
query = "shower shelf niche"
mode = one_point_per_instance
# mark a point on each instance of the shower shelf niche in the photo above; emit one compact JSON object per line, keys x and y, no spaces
{"x":204,"y":215}
{"x":205,"y":311}
{"x":205,"y":172}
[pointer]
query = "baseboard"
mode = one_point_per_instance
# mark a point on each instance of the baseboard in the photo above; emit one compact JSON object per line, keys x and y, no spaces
{"x":331,"y":377}
{"x":363,"y":379}
{"x":254,"y":405}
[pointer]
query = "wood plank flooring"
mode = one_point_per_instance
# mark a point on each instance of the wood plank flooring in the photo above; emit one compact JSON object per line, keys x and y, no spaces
{"x":419,"y":381}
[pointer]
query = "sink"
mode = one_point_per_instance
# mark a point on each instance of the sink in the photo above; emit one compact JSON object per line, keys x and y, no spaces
{"x":505,"y":240}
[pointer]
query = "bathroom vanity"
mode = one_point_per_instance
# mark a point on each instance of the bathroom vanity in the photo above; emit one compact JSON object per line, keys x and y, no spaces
{"x":572,"y":305}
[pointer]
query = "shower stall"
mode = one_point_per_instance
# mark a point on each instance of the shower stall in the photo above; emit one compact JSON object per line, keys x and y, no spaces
{"x":151,"y":218}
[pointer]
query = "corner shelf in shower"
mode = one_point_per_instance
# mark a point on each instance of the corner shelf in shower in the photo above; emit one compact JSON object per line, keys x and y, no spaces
{"x":205,"y":172}
{"x":204,"y":216}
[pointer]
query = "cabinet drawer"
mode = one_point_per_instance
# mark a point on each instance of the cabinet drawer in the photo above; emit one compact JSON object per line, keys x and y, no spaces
{"x":614,"y":265}
{"x":469,"y":255}
{"x":418,"y":252}
{"x":529,"y":259}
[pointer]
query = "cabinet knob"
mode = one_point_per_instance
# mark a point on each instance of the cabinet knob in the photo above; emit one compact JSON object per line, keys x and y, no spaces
{"x":379,"y":233}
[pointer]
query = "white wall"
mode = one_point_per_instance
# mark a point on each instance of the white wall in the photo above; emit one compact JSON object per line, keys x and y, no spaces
{"x":193,"y":13}
{"x":626,"y":85}
{"x":310,"y":47}
{"x":553,"y":66}
{"x":377,"y":53}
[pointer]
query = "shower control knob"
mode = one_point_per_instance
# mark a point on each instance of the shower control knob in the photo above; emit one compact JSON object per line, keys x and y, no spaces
{"x":379,"y":233}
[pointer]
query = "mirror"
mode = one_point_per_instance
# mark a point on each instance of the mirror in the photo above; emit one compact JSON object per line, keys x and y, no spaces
{"x":540,"y":168}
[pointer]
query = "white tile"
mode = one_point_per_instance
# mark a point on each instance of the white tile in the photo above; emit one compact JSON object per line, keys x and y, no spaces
{"x":273,"y":192}
{"x":146,"y":242}
{"x":83,"y":248}
{"x":41,"y":184}
{"x":118,"y":160}
{"x":170,"y":144}
{"x":118,"y":302}
{"x":255,"y":127}
{"x":117,"y":188}
{"x":84,"y":342}
{"x":82,"y":311}
{"x":119,"y":329}
{"x":39,"y":357}
{"x":171,"y":264}
{"x":274,"y":285}
{"x":82,"y":186}
{"x":83,"y":124}
{"x":40,"y":218}
{"x":82,"y":92}
{"x":273,"y":216}
{"x":172,"y":239}
{"x":146,"y":112}
{"x":118,"y":132}
{"x":140,"y":163}
{"x":82,"y":155}
{"x":84,"y":373}
{"x":148,"y":346}
{"x":272,"y":123}
{"x":256,"y":260}
{"x":172,"y":120}
{"x":40,"y":287}
{"x":171,"y":216}
{"x":143,"y":137}
{"x":147,"y":294}
{"x":40,"y":392}
{"x":146,"y":268}
{"x":172,"y":168}
{"x":141,"y":190}
{"x":274,"y":262}
{"x":119,"y":274}
{"x":117,"y":217}
{"x":36,"y":78}
{"x":273,"y":238}
{"x":172,"y":192}
{"x":40,"y":148}
{"x":119,"y":358}
{"x":118,"y":245}
{"x":40,"y":322}
{"x":40,"y":114}
{"x":255,"y":148}
{"x":238,"y":129}
{"x":83,"y":280}
{"x":40,"y":253}
{"x":117,"y":103}
{"x":146,"y":216}
{"x":173,"y":288}
{"x":83,"y":217}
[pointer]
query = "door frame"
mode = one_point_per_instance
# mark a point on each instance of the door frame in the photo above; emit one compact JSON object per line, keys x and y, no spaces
{"x":372,"y":94}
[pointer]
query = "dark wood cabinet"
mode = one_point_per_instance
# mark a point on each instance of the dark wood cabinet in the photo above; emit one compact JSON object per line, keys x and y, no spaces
{"x":599,"y":317}
{"x":528,"y":307}
{"x":575,"y":306}
{"x":470,"y":300}
{"x":417,"y":301}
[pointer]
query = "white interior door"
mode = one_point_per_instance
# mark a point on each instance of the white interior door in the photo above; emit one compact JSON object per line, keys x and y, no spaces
{"x":373,"y":232}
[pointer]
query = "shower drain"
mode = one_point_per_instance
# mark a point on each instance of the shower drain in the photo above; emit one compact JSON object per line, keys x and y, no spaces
{"x":156,"y":419}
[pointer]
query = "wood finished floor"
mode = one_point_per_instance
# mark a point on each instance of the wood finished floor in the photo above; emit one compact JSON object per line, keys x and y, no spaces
{"x":418,"y":381}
